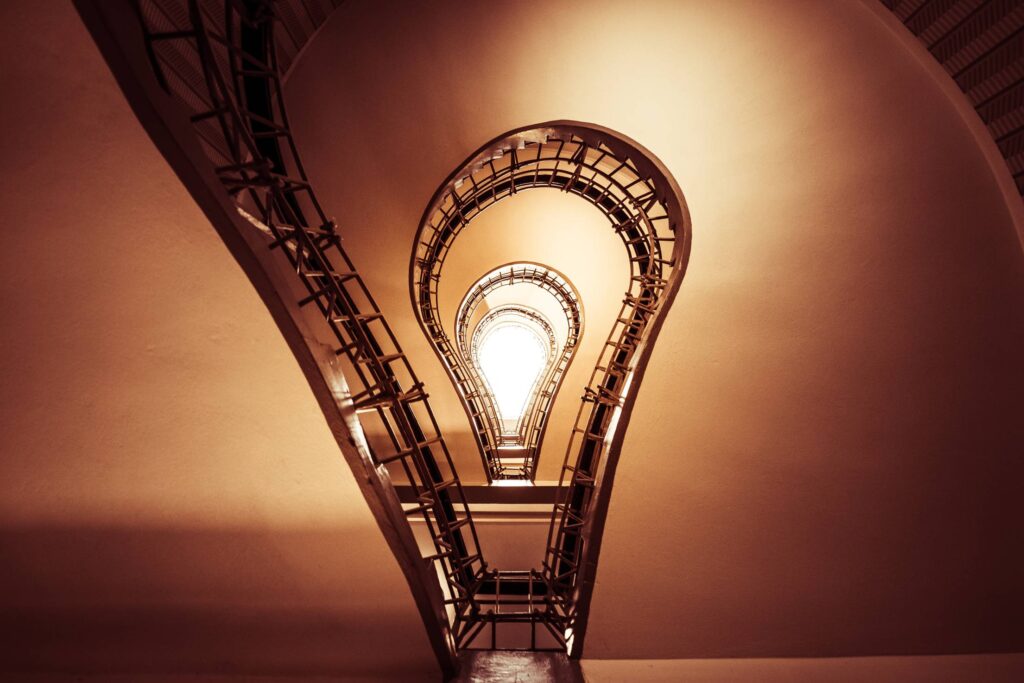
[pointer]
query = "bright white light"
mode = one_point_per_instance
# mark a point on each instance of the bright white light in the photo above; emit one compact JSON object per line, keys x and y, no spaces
{"x":511,"y":357}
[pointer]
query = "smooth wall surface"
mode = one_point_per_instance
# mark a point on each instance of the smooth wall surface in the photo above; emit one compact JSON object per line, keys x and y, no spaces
{"x":171,"y":500}
{"x":824,"y":458}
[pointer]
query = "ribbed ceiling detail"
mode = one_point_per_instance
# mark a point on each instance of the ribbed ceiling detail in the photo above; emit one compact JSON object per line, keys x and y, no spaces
{"x":980,"y":43}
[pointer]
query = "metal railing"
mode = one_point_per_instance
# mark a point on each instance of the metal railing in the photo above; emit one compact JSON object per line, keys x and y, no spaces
{"x":547,"y":379}
{"x":219,"y":60}
{"x":218,"y":63}
{"x":645,"y":209}
{"x":474,"y":391}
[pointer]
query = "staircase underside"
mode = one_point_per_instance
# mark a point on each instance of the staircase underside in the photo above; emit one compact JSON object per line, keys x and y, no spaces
{"x":485,"y":666}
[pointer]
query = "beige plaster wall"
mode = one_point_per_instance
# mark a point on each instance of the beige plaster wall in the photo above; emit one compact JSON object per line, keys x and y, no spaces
{"x":824,"y":457}
{"x":171,"y":500}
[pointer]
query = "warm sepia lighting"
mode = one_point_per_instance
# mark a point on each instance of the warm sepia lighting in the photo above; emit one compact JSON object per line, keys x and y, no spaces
{"x":528,"y":294}
{"x":511,"y":482}
{"x":376,"y":340}
{"x":511,"y":357}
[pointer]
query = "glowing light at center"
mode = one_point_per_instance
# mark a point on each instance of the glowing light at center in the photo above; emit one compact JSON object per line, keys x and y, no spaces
{"x":511,"y":357}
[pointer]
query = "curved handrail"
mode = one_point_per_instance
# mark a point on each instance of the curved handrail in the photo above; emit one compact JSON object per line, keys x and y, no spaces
{"x":646,"y":210}
{"x":221,"y":67}
{"x":469,"y":383}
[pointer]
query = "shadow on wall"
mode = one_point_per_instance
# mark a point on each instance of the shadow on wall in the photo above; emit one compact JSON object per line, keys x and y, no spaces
{"x":179,"y":601}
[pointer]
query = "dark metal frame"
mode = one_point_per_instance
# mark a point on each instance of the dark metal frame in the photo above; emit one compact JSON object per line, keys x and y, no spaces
{"x":473,"y":390}
{"x":644,"y":205}
{"x":208,"y":89}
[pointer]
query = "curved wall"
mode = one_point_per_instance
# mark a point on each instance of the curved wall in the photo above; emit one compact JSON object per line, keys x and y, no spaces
{"x":171,"y":500}
{"x":824,"y":457}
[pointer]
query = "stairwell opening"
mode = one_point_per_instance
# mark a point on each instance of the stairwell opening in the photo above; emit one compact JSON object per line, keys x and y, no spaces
{"x":645,"y":209}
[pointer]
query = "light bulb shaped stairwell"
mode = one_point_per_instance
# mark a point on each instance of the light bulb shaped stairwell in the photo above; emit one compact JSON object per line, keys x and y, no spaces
{"x":511,"y":358}
{"x":507,"y":388}
{"x":645,"y":209}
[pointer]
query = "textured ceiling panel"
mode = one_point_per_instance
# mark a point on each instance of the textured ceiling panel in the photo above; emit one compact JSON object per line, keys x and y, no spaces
{"x":980,"y":43}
